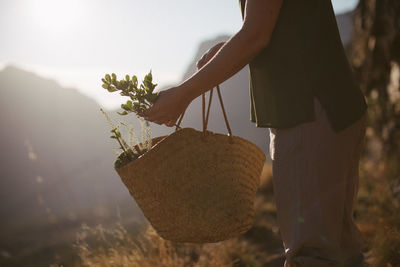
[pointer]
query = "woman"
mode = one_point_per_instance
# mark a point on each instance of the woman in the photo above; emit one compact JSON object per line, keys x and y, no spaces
{"x":301,"y":87}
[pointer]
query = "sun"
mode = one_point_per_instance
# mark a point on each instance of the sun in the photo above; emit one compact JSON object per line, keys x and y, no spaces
{"x":56,"y":15}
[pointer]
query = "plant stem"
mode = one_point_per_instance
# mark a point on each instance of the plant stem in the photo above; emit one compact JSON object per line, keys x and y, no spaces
{"x":123,"y":148}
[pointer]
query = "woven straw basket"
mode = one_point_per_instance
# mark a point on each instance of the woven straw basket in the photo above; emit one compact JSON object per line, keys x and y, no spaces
{"x":197,"y":187}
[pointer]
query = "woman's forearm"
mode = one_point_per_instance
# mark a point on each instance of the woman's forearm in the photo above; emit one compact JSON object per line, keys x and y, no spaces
{"x":232,"y":57}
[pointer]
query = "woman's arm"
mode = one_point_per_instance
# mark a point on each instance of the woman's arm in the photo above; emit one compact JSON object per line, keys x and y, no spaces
{"x":259,"y":21}
{"x":209,"y":55}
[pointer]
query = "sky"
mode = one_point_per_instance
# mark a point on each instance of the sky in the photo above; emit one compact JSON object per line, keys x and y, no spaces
{"x":77,"y":41}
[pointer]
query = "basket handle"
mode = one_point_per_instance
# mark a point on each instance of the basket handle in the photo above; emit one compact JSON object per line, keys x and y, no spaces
{"x":206,"y":116}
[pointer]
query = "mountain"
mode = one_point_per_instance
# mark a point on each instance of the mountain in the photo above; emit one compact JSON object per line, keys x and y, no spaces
{"x":56,"y":169}
{"x":56,"y":158}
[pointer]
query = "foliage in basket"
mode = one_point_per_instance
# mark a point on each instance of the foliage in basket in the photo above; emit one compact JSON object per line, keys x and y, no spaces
{"x":141,"y":97}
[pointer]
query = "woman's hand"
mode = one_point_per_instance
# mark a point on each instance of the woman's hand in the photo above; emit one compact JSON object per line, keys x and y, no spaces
{"x":170,"y":104}
{"x":209,"y":55}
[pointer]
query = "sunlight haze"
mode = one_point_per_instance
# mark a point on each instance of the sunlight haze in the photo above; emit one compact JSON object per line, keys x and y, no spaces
{"x":77,"y":42}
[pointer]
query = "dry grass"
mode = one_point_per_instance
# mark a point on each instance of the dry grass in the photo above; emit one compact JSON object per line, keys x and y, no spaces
{"x":378,"y":214}
{"x":115,"y":247}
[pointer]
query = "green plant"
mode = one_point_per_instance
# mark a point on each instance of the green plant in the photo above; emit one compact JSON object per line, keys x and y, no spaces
{"x":133,"y":149}
{"x":141,"y":98}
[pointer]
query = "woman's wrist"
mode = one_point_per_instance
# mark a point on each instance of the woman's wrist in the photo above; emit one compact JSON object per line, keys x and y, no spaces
{"x":185,"y":93}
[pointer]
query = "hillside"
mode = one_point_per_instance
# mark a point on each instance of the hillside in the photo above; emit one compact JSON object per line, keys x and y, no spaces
{"x":55,"y":166}
{"x":56,"y":154}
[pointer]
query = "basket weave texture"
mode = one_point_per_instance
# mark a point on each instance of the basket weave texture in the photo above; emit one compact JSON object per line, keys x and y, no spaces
{"x":195,"y":190}
{"x":196,"y":187}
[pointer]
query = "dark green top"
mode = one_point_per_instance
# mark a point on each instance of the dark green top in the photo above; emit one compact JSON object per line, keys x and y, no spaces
{"x":304,"y":59}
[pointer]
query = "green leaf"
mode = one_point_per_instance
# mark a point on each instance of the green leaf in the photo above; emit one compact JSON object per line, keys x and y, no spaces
{"x":134,"y":80}
{"x":129,"y":104}
{"x":127,"y":78}
{"x":123,"y":113}
{"x":105,"y":86}
{"x":151,"y":97}
{"x":123,"y":106}
{"x":108,"y":78}
{"x":153,"y":86}
{"x":111,"y":89}
{"x":124,"y":84}
{"x":113,"y":137}
{"x":114,"y":77}
{"x":149,"y":77}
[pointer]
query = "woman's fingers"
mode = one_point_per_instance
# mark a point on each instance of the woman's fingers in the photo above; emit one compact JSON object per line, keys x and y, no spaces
{"x":153,"y":113}
{"x":161,"y":119}
{"x":169,"y":105}
{"x":168,"y":122}
{"x":158,"y":119}
{"x":154,"y":116}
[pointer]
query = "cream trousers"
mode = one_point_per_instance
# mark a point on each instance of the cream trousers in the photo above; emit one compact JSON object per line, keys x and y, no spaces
{"x":315,"y":176}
